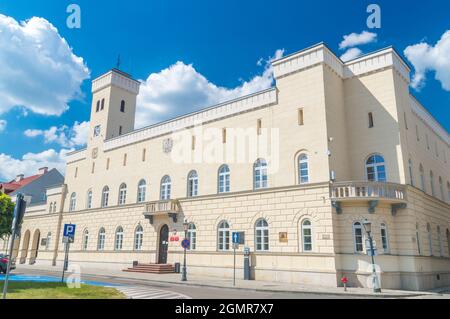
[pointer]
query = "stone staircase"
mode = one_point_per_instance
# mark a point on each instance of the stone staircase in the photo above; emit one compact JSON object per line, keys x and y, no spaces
{"x":152,"y":269}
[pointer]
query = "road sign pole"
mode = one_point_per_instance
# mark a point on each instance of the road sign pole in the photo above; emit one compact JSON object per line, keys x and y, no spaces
{"x":234,"y":266}
{"x":66,"y":260}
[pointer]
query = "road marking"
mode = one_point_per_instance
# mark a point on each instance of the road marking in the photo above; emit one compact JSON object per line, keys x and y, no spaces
{"x":139,"y":292}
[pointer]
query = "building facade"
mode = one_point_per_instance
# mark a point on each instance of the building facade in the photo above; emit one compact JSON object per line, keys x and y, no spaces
{"x":297,"y":168}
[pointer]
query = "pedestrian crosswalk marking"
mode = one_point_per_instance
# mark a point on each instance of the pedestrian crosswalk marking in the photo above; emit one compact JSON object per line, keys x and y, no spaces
{"x":138,"y":292}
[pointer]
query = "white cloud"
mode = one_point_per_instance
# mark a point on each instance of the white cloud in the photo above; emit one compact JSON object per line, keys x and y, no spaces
{"x":38,"y":68}
{"x":425,"y":58}
{"x":355,"y":39}
{"x":31,"y":162}
{"x":351,"y":54}
{"x":3,"y":124}
{"x":63,"y":135}
{"x":180,"y":89}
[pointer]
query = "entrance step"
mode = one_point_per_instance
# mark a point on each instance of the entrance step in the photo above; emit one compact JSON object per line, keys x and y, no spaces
{"x":152,"y":269}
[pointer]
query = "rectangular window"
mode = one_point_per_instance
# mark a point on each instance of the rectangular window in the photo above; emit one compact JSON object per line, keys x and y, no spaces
{"x":193,"y":142}
{"x":93,"y":168}
{"x":259,"y":126}
{"x":144,"y":152}
{"x":300,"y":117}
{"x":76,"y":172}
{"x":125,"y":159}
{"x":120,"y":130}
{"x":224,"y":135}
{"x":406,"y":121}
{"x":371,"y":124}
{"x":107,"y":164}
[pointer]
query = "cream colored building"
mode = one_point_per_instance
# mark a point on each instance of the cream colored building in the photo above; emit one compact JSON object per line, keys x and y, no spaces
{"x":298,"y":168}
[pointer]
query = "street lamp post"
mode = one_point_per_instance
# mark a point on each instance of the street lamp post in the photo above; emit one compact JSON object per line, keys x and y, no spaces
{"x":376,"y":285}
{"x":184,"y":272}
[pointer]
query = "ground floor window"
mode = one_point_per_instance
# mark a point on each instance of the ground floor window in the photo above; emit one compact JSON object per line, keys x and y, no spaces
{"x":262,"y":235}
{"x":192,"y":236}
{"x":307,"y":235}
{"x":358,"y":237}
{"x":119,"y":239}
{"x":101,"y":239}
{"x":138,"y":238}
{"x":223,"y":234}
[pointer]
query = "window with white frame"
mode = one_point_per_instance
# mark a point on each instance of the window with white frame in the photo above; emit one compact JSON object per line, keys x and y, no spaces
{"x":105,"y":196}
{"x":142,"y":189}
{"x":192,"y":186}
{"x":384,"y":238}
{"x":223,"y":236}
{"x":419,"y":250}
{"x":224,"y":179}
{"x":430,"y":239}
{"x":89,"y":199}
{"x":358,"y":237}
{"x":138,"y":237}
{"x":73,"y":202}
{"x":262,"y":235}
{"x":118,"y":243}
{"x":85,"y":239}
{"x":122,"y":194}
{"x":260,"y":174}
{"x":422,"y":178}
{"x":166,"y":185}
{"x":441,"y":244}
{"x":376,"y":168}
{"x":192,"y":236}
{"x":49,"y":241}
{"x":307,"y":238}
{"x":303,"y":169}
{"x":101,"y":239}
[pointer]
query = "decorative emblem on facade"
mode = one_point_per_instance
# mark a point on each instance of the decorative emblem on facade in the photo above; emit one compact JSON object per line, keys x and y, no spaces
{"x":94,"y":153}
{"x":167,"y":145}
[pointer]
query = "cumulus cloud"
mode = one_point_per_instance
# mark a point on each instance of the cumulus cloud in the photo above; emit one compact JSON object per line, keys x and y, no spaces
{"x":428,"y":58}
{"x":3,"y":124}
{"x":31,"y":162}
{"x":65,"y":136}
{"x":355,"y":39}
{"x":180,"y":89}
{"x":351,"y":54}
{"x":39,"y":71}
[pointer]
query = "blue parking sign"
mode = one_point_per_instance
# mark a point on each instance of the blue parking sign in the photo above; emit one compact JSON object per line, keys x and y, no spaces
{"x":69,"y":230}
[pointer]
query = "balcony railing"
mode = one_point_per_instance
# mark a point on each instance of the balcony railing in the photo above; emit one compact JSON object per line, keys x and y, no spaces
{"x":169,"y":207}
{"x":393,"y":193}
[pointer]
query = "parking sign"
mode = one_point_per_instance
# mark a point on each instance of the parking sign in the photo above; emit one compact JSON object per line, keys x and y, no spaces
{"x":69,"y":230}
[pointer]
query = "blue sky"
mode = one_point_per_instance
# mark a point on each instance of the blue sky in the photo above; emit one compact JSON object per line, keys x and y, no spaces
{"x":222,"y":40}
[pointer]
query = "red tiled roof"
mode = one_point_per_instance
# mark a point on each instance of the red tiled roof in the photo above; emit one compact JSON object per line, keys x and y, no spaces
{"x":12,"y":186}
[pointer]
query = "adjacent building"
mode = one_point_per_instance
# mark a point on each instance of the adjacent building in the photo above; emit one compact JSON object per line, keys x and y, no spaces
{"x":297,"y":168}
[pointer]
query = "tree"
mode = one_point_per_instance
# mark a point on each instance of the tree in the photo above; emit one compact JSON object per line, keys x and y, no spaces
{"x":6,"y":215}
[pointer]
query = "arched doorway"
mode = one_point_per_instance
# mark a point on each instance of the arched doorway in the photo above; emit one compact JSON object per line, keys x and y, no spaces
{"x":35,"y":246}
{"x":15,"y":252}
{"x":25,"y":244}
{"x":163,"y":244}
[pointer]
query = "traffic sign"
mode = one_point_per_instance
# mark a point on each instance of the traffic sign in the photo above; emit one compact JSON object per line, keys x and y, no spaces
{"x":186,"y":243}
{"x":235,"y":238}
{"x":238,"y":238}
{"x":69,"y":230}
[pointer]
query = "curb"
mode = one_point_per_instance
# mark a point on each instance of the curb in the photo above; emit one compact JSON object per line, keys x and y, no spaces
{"x":340,"y":294}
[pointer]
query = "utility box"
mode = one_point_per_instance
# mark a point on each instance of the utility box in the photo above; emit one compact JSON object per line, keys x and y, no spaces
{"x":177,"y":268}
{"x":247,"y":265}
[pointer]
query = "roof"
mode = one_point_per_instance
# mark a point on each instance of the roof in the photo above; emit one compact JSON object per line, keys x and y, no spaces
{"x":12,"y":186}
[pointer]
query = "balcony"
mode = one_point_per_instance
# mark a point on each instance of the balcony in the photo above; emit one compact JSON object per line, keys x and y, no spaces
{"x":371,"y":192}
{"x":171,"y":208}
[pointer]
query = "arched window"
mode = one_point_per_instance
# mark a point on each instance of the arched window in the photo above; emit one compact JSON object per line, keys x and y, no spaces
{"x":48,"y":243}
{"x":192,"y":186}
{"x":441,"y":244}
{"x":224,"y":179}
{"x":105,"y":196}
{"x":303,"y":169}
{"x":85,"y":239}
{"x":103,"y":104}
{"x":122,"y":194}
{"x":192,"y":236}
{"x":432,"y":183}
{"x":411,"y":170}
{"x":89,"y":199}
{"x":430,"y":239}
{"x":138,"y":237}
{"x":98,"y":106}
{"x":262,"y":235}
{"x":101,"y":239}
{"x":166,"y":185}
{"x":122,"y":106}
{"x":223,"y":236}
{"x":307,"y":235}
{"x":50,"y":210}
{"x":448,"y":241}
{"x":358,"y":237}
{"x":142,"y":189}
{"x":384,"y":238}
{"x":118,"y":242}
{"x":422,"y":178}
{"x":73,"y":202}
{"x":441,"y":188}
{"x":419,"y":250}
{"x":376,"y":169}
{"x":260,"y":174}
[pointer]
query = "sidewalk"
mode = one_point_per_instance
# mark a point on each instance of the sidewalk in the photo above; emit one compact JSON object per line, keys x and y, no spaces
{"x":216,"y":282}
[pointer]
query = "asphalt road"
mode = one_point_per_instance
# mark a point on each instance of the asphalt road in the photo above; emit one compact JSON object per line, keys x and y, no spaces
{"x":194,"y":292}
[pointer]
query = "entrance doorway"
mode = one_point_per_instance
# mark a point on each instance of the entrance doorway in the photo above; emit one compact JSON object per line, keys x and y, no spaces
{"x":163,"y":244}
